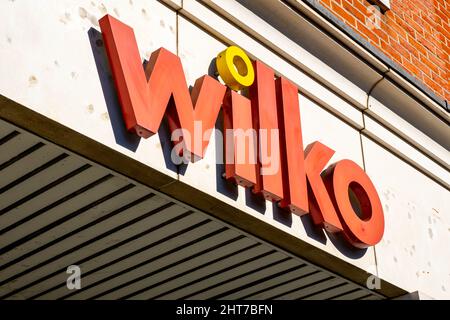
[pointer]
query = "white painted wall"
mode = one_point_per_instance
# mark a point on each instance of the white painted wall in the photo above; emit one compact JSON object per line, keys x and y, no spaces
{"x":49,"y":64}
{"x":414,"y":251}
{"x":51,"y":61}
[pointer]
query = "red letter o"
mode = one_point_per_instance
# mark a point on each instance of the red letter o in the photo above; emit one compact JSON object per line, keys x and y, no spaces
{"x":364,"y":231}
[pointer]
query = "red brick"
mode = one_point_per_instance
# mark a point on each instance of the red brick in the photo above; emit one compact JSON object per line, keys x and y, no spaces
{"x":352,"y":10}
{"x":442,"y":16}
{"x":432,"y":84}
{"x":438,"y":62}
{"x":391,"y":52}
{"x":343,"y":14}
{"x":442,"y":55}
{"x":414,"y":33}
{"x":327,"y":3}
{"x":369,"y":34}
{"x":428,"y":19}
{"x":427,"y":44}
{"x":423,"y":67}
{"x":398,"y":29}
{"x":439,"y":80}
{"x":405,"y":44}
{"x":398,"y":6}
{"x":419,"y":6}
{"x":361,"y":5}
{"x":411,"y":67}
{"x":417,"y":46}
{"x":381,"y":34}
{"x":399,"y":48}
{"x":431,"y":65}
{"x":444,"y":32}
{"x":417,"y":27}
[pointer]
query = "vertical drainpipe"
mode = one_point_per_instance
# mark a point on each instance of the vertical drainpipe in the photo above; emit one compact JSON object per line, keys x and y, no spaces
{"x":372,"y":88}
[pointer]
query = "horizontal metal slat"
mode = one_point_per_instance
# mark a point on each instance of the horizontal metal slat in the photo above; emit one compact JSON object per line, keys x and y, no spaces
{"x":77,"y":239}
{"x":150,"y":265}
{"x":269,"y":284}
{"x":5,"y":129}
{"x":144,"y":221}
{"x":311,"y":288}
{"x":28,"y":163}
{"x":56,"y":194}
{"x":329,"y":293}
{"x":359,"y":293}
{"x":371,"y":297}
{"x":214,"y":257}
{"x":117,"y":261}
{"x":254,"y":275}
{"x":50,"y":217}
{"x":34,"y":183}
{"x":61,"y":232}
{"x":12,"y":148}
{"x":292,"y":285}
{"x":224,"y":275}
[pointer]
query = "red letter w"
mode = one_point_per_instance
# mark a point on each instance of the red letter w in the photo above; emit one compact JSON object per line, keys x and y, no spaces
{"x":145,"y":95}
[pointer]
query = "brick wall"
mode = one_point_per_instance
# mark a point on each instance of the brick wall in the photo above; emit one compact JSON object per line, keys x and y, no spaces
{"x":414,"y":33}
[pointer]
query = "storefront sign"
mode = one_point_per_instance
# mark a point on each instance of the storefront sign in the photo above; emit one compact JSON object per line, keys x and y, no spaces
{"x":261,"y":117}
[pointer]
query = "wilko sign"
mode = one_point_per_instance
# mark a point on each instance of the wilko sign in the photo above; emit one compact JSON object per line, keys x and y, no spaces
{"x":263,"y":148}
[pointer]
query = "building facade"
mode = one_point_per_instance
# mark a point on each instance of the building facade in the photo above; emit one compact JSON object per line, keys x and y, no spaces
{"x":81,"y":194}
